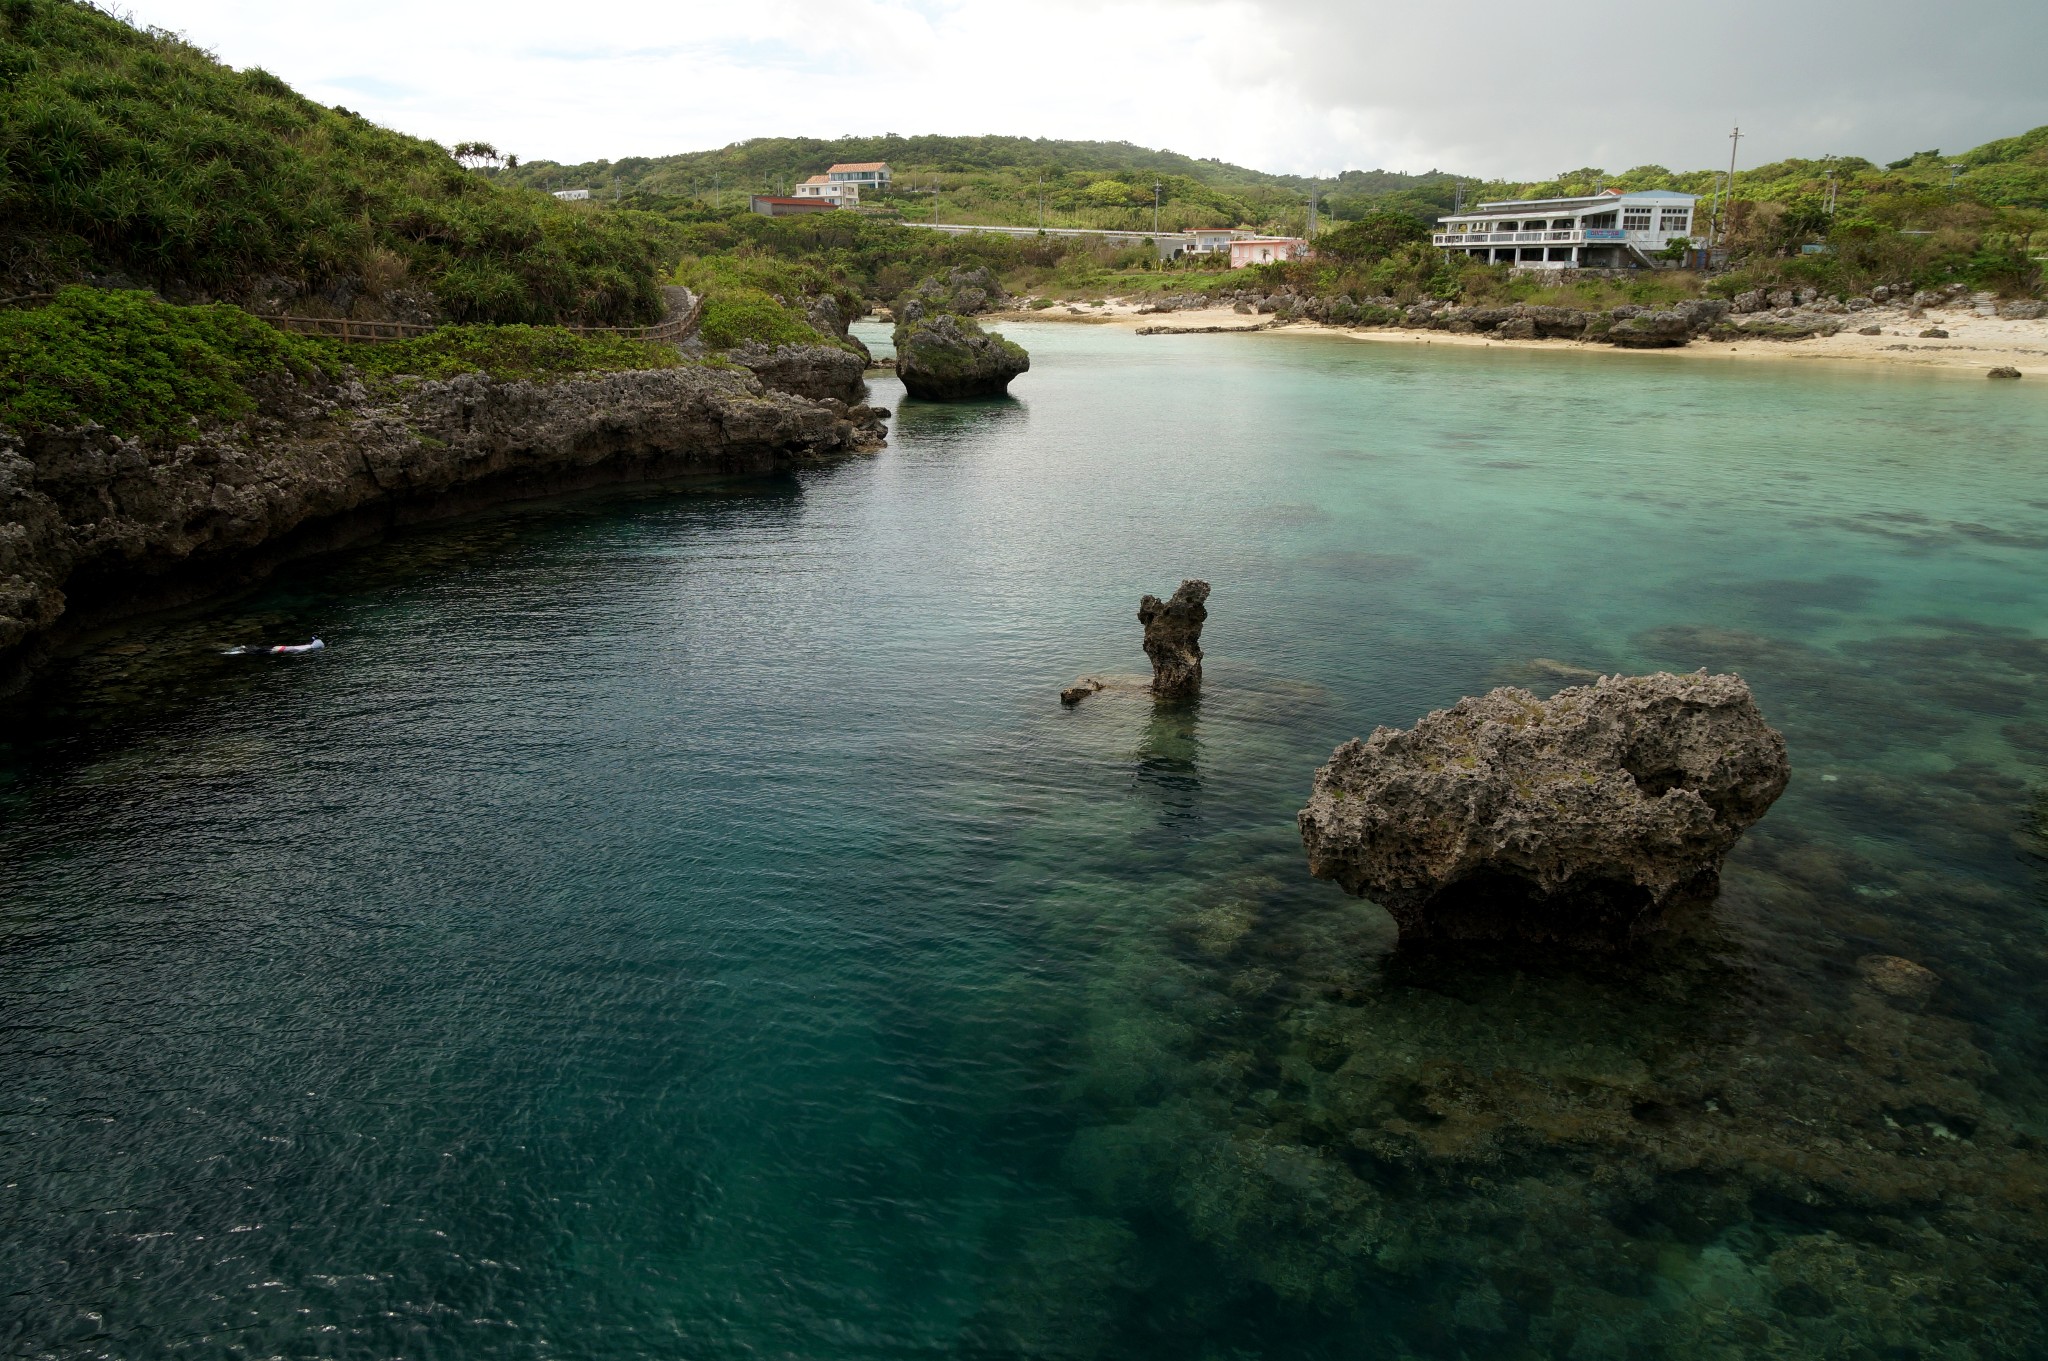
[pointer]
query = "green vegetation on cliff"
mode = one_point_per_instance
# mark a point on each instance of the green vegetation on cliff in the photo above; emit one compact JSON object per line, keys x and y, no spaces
{"x":502,"y":352}
{"x":162,"y":372}
{"x":135,"y":153}
{"x":140,"y":367}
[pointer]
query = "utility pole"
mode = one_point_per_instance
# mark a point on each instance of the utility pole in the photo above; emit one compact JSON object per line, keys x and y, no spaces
{"x":1156,"y":187}
{"x":1312,"y":186}
{"x":1727,"y":192}
{"x":935,"y":199}
{"x":1953,"y":170}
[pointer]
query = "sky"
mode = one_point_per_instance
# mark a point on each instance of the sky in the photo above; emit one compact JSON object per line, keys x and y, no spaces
{"x":1512,"y":89}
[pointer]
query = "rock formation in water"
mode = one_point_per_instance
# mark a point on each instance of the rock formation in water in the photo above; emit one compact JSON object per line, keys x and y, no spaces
{"x":1580,"y":820}
{"x":92,"y":524}
{"x":1082,"y":688}
{"x":1173,"y":639}
{"x":943,"y":357}
{"x":2004,"y":371}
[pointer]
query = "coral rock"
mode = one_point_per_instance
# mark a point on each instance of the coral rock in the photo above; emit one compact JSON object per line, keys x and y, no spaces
{"x":1582,"y":820}
{"x":1173,"y":639}
{"x":943,"y":357}
{"x":1081,"y":689}
{"x":1898,"y":978}
{"x":2004,"y":371}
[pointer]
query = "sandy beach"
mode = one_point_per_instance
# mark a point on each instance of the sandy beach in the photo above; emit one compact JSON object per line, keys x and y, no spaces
{"x":1975,"y":342}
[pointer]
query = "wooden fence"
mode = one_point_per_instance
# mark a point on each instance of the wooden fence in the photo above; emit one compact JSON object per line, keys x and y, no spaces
{"x":342,"y":328}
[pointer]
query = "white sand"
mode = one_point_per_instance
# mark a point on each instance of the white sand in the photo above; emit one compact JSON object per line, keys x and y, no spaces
{"x":1974,"y":342}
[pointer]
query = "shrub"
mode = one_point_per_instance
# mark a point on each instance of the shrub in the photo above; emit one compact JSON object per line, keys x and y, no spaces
{"x":132,"y":151}
{"x":138,"y":366}
{"x":737,"y":316}
{"x":506,"y":353}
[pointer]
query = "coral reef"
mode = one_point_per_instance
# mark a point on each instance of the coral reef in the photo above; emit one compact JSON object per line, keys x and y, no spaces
{"x":1581,"y":820}
{"x":1173,"y":639}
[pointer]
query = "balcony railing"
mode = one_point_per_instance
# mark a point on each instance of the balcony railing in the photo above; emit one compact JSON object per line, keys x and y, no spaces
{"x":1574,"y":237}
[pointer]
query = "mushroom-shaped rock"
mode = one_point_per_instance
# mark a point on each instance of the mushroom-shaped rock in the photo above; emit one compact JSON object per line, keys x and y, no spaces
{"x":943,"y":357}
{"x":1173,"y":639}
{"x":1579,"y":820}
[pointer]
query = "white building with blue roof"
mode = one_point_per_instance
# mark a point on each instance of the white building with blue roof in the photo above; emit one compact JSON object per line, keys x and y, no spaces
{"x":1607,"y":230}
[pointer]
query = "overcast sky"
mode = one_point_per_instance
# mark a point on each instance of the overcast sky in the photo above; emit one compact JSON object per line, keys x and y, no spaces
{"x":1512,"y":88}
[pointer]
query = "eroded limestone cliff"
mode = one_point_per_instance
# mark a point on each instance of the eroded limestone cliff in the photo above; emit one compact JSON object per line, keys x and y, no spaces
{"x":93,"y":524}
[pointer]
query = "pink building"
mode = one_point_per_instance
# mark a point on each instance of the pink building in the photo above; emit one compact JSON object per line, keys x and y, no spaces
{"x":1264,"y":250}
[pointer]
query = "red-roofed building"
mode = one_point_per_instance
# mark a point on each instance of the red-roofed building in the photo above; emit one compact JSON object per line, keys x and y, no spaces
{"x":767,"y":205}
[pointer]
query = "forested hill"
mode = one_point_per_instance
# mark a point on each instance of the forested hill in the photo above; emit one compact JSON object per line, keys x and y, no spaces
{"x":1007,"y":180}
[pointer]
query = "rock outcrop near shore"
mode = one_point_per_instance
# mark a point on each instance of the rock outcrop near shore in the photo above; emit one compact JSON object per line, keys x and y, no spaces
{"x":943,"y":357}
{"x":1583,"y":820}
{"x":92,"y":524}
{"x":814,"y":371}
{"x":1173,"y":639}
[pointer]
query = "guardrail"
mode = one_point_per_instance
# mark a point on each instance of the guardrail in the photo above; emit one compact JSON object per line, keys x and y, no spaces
{"x":348,"y":329}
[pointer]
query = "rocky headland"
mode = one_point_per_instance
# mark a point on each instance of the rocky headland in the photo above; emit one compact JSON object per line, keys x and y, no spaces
{"x":1582,"y":820}
{"x":95,"y":525}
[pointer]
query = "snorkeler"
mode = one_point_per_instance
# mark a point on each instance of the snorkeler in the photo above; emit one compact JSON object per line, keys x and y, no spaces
{"x":277,"y":650}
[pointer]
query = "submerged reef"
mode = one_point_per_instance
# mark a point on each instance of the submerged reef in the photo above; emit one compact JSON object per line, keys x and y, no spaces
{"x":1815,"y":1127}
{"x":1581,"y":820}
{"x":1173,"y":639}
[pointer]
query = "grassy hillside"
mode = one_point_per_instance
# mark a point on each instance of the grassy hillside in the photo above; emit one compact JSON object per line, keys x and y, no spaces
{"x":135,"y":153}
{"x":1020,"y":180}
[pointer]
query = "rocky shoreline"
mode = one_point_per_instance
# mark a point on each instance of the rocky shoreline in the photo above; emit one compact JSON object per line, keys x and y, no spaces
{"x":94,"y":526}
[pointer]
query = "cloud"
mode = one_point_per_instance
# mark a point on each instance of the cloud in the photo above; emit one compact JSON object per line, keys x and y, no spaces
{"x":1489,"y":87}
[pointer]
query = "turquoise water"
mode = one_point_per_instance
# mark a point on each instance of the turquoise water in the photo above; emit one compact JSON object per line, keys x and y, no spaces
{"x":684,"y":923}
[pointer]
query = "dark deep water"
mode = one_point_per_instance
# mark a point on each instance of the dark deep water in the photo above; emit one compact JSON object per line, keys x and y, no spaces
{"x":685,"y":924}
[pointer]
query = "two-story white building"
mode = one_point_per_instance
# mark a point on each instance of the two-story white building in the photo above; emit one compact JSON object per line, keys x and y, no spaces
{"x":1608,"y":230}
{"x":860,"y":174}
{"x":821,"y":186}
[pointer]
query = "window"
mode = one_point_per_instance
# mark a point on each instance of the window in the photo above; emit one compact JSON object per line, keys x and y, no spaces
{"x":1562,"y":224}
{"x":1635,"y":220}
{"x":1673,"y":220}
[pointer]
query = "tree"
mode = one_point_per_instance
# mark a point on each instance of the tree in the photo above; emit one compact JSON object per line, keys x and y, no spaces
{"x":1372,"y":237}
{"x":476,"y":156}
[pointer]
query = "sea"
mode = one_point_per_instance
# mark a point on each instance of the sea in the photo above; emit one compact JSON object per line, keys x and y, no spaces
{"x":683,"y":922}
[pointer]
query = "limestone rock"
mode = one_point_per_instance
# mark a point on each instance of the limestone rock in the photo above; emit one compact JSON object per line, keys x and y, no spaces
{"x":814,"y":371}
{"x":1581,"y":820}
{"x":1870,"y":330}
{"x":2023,"y":311}
{"x":2004,"y":371}
{"x":1081,"y":689}
{"x":964,"y":292}
{"x":943,"y":357}
{"x":1650,"y":331}
{"x":93,"y":524}
{"x":1173,"y":639}
{"x":1934,"y":333}
{"x":1898,"y":978}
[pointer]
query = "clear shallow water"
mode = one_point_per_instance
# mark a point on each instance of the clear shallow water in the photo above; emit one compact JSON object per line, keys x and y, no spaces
{"x":686,"y":924}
